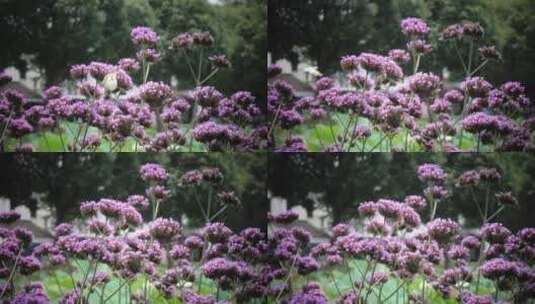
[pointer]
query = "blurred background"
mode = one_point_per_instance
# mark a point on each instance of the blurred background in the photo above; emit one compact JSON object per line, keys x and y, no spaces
{"x":47,"y":188}
{"x":326,"y":188}
{"x":41,"y":39}
{"x":310,"y":35}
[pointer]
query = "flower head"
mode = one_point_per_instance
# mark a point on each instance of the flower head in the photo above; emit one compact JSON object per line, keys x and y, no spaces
{"x":207,"y":96}
{"x":431,"y":173}
{"x":414,"y":27}
{"x":216,"y":232}
{"x":284,"y":218}
{"x":184,"y":40}
{"x":442,"y":230}
{"x":311,"y":293}
{"x":155,"y":93}
{"x":477,"y":86}
{"x":424,"y":83}
{"x":9,"y":217}
{"x":497,"y":268}
{"x":164,"y":229}
{"x":400,"y":56}
{"x":153,"y":173}
{"x":495,"y":232}
{"x":144,"y":36}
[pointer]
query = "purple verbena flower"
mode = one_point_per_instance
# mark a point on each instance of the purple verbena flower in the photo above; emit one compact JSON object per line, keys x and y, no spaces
{"x":144,"y":36}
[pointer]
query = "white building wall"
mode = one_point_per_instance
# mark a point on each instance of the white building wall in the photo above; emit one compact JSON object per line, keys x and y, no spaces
{"x":43,"y":217}
{"x":286,"y":67}
{"x":34,"y":80}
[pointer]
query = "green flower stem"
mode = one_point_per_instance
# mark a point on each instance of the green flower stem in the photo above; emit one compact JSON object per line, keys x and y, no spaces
{"x":470,"y":53}
{"x":331,"y":275}
{"x":378,"y":144}
{"x":318,"y":137}
{"x":209,"y":76}
{"x":479,"y":67}
{"x":12,"y":273}
{"x":395,"y":291}
{"x":461,"y":58}
{"x":218,"y":213}
{"x":115,"y":292}
{"x":277,"y":113}
{"x":8,"y":122}
{"x":287,"y":280}
{"x":209,"y":207}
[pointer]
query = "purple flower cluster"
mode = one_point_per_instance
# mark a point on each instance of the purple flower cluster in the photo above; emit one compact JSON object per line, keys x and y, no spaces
{"x":164,"y":229}
{"x":392,"y":245}
{"x":108,"y":107}
{"x":115,"y":238}
{"x":197,"y":177}
{"x":414,"y":27}
{"x":9,"y":217}
{"x":424,"y":84}
{"x":153,"y":173}
{"x":195,"y":39}
{"x":287,"y":217}
{"x":431,"y":173}
{"x":17,"y":259}
{"x":442,"y":230}
{"x":311,"y":293}
{"x":470,"y":30}
{"x":239,"y":108}
{"x":142,"y":35}
{"x":155,"y":93}
{"x":408,"y":107}
{"x":387,"y":67}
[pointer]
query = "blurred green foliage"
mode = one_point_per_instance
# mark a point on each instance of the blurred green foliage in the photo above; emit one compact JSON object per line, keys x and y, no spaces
{"x":63,"y":180}
{"x":321,"y":134}
{"x":343,"y":180}
{"x":326,"y":30}
{"x":59,"y":282}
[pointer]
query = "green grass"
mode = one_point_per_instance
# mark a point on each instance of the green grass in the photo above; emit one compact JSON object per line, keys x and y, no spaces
{"x":58,"y":281}
{"x":338,"y":280}
{"x":319,"y":135}
{"x":54,"y":142}
{"x":334,"y":281}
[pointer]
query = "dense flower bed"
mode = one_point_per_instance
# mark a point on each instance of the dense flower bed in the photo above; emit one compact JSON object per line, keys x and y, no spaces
{"x":397,"y":253}
{"x":117,"y":253}
{"x":110,"y":107}
{"x":387,"y":107}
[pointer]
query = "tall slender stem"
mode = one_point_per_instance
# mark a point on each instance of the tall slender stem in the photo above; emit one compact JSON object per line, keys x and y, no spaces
{"x":471,"y":51}
{"x":8,"y":122}
{"x":277,"y":113}
{"x":12,"y":273}
{"x":199,"y":73}
{"x":417,"y":63}
{"x":209,"y":76}
{"x":146,"y":75}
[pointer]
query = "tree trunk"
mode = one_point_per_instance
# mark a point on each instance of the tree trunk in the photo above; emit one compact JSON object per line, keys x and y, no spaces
{"x":53,"y":75}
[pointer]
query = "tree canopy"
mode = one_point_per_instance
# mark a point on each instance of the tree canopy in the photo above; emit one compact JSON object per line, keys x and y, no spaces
{"x":326,"y":30}
{"x":341,"y":181}
{"x":64,"y":180}
{"x":54,"y":34}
